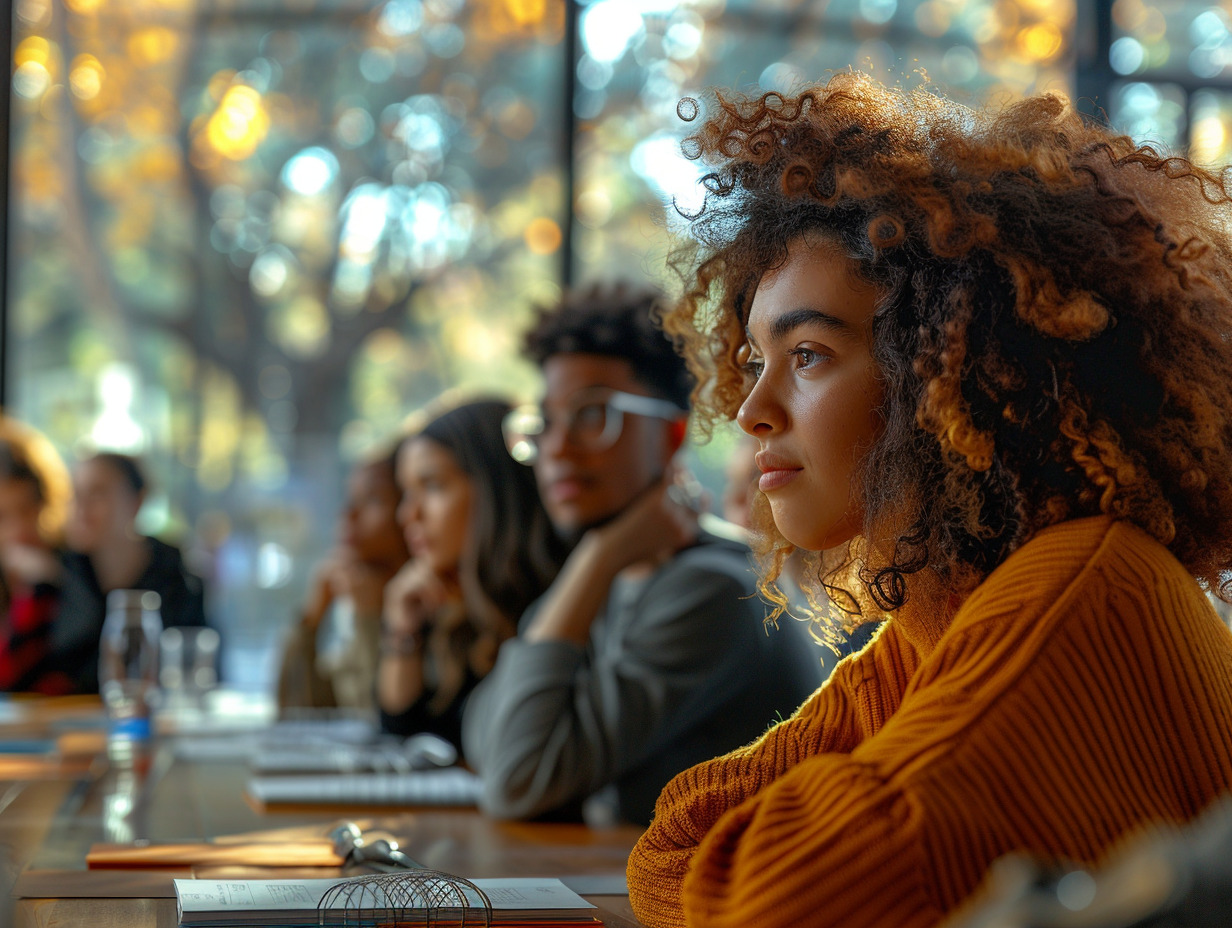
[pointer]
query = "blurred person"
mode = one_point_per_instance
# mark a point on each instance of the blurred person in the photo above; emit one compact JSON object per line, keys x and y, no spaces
{"x":740,"y":486}
{"x":482,"y":550}
{"x":649,"y":652}
{"x":33,"y":493}
{"x":347,"y":597}
{"x":986,"y":357}
{"x":107,"y":553}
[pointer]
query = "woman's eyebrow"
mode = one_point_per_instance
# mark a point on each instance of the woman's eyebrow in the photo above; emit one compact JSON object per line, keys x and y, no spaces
{"x":784,"y":325}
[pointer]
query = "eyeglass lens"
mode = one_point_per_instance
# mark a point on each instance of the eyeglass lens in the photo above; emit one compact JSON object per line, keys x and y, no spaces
{"x":591,"y":426}
{"x":587,"y":425}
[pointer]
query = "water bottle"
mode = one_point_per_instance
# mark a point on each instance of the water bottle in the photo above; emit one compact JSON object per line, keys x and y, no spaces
{"x":128,"y":662}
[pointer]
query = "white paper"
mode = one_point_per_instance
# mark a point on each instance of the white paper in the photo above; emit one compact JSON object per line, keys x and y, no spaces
{"x":282,"y":903}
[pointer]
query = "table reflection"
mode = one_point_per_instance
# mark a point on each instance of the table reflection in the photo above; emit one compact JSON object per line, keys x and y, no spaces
{"x":124,"y":791}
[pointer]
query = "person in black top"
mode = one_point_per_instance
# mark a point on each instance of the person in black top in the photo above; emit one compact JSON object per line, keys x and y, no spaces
{"x":107,"y":553}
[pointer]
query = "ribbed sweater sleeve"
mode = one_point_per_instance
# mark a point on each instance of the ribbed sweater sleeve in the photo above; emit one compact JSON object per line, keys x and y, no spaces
{"x":860,"y":694}
{"x":1082,"y":692}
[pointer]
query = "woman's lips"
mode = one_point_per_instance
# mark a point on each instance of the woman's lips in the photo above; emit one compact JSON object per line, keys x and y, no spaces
{"x":776,"y":471}
{"x":778,"y":477}
{"x":565,"y":489}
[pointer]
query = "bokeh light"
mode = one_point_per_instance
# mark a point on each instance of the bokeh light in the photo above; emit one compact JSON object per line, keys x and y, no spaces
{"x":543,"y":235}
{"x":310,"y":172}
{"x":239,"y":124}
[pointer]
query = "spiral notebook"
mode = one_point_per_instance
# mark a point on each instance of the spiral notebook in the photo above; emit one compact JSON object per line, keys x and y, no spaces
{"x":451,"y":786}
{"x":370,"y":901}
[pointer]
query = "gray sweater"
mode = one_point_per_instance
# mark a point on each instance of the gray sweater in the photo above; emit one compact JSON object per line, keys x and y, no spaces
{"x":679,"y":669}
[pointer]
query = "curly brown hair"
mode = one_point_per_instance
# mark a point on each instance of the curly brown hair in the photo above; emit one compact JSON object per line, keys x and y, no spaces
{"x":1052,"y":337}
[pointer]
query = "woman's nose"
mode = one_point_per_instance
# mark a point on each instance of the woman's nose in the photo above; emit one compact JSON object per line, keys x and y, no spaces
{"x":403,"y":512}
{"x":761,"y":412}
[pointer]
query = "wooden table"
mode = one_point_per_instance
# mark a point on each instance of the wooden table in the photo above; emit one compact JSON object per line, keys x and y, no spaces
{"x":54,"y":808}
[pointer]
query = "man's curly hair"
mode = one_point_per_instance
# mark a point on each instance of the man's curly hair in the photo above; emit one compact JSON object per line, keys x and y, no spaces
{"x":1052,"y":337}
{"x":614,"y":321}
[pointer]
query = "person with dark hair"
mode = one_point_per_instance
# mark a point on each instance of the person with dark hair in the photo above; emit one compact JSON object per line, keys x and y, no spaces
{"x":107,"y":553}
{"x":347,"y":593}
{"x":649,"y":652}
{"x":33,"y":491}
{"x":986,"y":357}
{"x":482,"y":550}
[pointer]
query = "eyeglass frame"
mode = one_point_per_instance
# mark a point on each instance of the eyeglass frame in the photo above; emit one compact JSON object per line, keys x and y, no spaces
{"x":614,"y":401}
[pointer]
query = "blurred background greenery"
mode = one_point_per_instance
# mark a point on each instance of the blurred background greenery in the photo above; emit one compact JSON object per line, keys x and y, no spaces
{"x":248,"y":237}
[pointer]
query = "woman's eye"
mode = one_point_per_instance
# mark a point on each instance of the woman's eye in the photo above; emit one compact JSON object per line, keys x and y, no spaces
{"x":753,"y":367}
{"x":806,"y":357}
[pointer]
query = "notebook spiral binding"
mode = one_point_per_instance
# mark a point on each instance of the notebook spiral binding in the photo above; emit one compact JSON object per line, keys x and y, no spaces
{"x":410,"y":898}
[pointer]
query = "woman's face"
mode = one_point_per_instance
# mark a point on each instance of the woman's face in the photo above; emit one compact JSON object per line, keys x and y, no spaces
{"x":369,"y":521}
{"x":436,"y":504}
{"x":104,"y":507}
{"x":814,"y":405}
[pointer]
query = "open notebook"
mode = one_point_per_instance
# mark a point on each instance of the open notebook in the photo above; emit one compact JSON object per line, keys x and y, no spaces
{"x":415,"y":897}
{"x":451,"y":786}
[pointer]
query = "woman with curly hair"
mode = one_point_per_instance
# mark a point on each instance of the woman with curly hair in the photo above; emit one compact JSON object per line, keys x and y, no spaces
{"x":987,"y":359}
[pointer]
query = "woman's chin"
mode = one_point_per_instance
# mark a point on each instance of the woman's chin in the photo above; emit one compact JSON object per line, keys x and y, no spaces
{"x":803,"y":541}
{"x":825,"y":540}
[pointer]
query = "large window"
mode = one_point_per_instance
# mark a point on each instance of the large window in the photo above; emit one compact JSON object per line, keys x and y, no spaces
{"x":638,"y":59}
{"x":248,"y":238}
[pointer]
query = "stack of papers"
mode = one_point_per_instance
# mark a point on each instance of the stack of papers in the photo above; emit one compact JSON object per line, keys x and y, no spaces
{"x":516,"y":903}
{"x":321,"y":735}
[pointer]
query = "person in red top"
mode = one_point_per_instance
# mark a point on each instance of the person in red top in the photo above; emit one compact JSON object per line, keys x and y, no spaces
{"x":33,"y":487}
{"x":987,"y":360}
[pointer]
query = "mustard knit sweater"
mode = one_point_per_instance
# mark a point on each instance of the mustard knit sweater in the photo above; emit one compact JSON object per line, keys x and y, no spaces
{"x":1081,"y":692}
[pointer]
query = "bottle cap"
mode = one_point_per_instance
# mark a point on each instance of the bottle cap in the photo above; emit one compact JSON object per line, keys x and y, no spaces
{"x":133,"y":601}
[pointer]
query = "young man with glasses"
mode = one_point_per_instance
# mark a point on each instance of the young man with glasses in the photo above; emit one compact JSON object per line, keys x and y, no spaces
{"x":648,"y":654}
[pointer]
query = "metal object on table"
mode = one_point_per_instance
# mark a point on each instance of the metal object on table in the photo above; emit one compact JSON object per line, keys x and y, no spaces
{"x":373,"y":853}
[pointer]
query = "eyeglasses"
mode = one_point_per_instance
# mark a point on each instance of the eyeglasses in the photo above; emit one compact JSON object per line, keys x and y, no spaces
{"x":592,"y":421}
